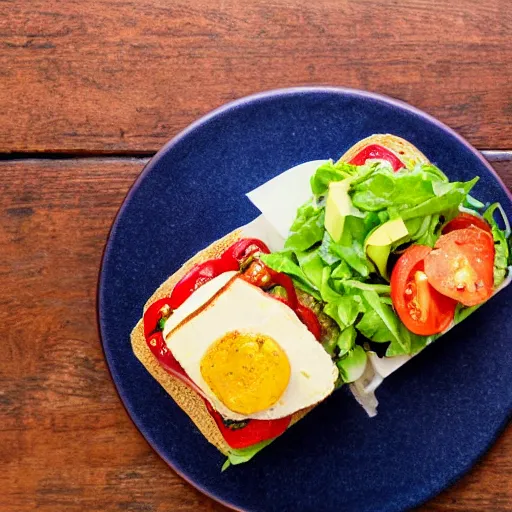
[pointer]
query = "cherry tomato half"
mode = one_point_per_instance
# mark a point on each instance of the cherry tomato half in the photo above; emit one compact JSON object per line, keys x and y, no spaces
{"x":465,"y":220}
{"x":258,"y":274}
{"x":461,"y":265}
{"x":421,"y":308}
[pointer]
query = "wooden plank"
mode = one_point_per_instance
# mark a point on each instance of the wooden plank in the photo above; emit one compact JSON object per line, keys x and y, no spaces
{"x":125,"y":76}
{"x":66,"y":443}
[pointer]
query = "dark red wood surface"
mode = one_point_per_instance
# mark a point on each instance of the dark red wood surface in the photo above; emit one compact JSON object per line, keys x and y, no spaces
{"x":92,"y":83}
{"x":124,"y":75}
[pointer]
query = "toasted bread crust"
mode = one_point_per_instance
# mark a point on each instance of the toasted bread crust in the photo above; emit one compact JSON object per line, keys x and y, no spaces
{"x":403,"y":149}
{"x":191,"y":403}
{"x":186,"y":398}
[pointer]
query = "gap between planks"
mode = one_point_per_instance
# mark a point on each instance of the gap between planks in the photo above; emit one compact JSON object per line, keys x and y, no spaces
{"x":492,"y":155}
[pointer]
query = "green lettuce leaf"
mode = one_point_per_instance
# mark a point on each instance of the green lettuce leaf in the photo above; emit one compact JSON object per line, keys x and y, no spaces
{"x":384,"y":189}
{"x":312,"y":266}
{"x":307,"y":228}
{"x":448,"y":196}
{"x":374,"y":328}
{"x":329,"y":257}
{"x":341,"y":271}
{"x":462,"y":312}
{"x":328,"y":173}
{"x":351,"y":285}
{"x":351,"y":246}
{"x":241,"y":455}
{"x":502,"y":252}
{"x":474,"y":204}
{"x":284,"y":262}
{"x":411,"y":343}
{"x":432,"y":233}
{"x":326,"y":292}
{"x":352,"y":365}
{"x":388,"y":319}
{"x":346,"y":340}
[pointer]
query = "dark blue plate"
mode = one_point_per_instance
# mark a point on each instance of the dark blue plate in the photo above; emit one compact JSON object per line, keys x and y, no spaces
{"x":437,"y":414}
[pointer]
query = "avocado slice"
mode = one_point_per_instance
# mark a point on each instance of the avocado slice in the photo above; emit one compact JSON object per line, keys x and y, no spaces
{"x":337,"y":207}
{"x":378,"y":243}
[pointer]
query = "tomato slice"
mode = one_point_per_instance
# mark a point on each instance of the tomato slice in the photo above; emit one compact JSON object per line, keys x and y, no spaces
{"x":465,"y":220}
{"x":159,"y":310}
{"x":255,"y":431}
{"x":201,"y":273}
{"x":258,"y":274}
{"x":158,"y":347}
{"x":461,"y":266}
{"x":308,"y":317}
{"x":244,"y":248}
{"x":421,"y":308}
{"x":378,"y":152}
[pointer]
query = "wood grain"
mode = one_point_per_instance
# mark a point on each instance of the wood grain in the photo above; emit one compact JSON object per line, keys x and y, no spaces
{"x":66,"y":442}
{"x":124,"y":76}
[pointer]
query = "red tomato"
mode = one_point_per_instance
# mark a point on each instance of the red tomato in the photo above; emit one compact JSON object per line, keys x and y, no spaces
{"x":461,"y":266}
{"x":377,"y":152}
{"x":287,"y":283}
{"x":421,"y":308}
{"x":206,"y":271}
{"x":197,"y":276}
{"x":255,"y":431}
{"x":156,"y":311}
{"x":158,"y":347}
{"x":310,"y":320}
{"x":465,"y":220}
{"x":244,"y":248}
{"x":257,"y":274}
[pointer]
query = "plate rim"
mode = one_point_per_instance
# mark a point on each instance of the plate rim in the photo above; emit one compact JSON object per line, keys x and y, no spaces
{"x":205,"y":118}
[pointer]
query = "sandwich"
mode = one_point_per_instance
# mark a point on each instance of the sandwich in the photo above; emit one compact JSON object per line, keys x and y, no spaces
{"x":368,"y":260}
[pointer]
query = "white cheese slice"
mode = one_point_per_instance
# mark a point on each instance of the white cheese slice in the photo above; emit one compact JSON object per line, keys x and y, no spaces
{"x":279,"y":198}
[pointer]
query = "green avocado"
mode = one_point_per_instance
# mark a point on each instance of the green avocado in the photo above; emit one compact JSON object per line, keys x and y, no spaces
{"x":378,"y":243}
{"x":337,"y":207}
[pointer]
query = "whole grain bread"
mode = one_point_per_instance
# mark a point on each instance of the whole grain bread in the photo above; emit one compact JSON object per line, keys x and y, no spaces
{"x":403,"y":149}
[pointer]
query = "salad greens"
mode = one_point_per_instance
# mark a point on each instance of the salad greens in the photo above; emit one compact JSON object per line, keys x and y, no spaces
{"x":502,"y":254}
{"x":241,"y":455}
{"x":350,"y":287}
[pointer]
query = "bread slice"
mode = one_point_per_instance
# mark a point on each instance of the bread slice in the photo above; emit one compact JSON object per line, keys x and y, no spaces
{"x":187,"y":399}
{"x":403,"y":149}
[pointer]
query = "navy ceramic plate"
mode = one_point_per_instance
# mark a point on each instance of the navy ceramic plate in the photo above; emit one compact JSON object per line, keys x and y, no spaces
{"x":437,"y":414}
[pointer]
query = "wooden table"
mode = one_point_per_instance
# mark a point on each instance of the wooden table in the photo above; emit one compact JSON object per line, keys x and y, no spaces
{"x":88,"y":91}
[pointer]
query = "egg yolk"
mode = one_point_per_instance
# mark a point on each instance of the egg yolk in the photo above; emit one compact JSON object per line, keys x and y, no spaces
{"x":247,"y":372}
